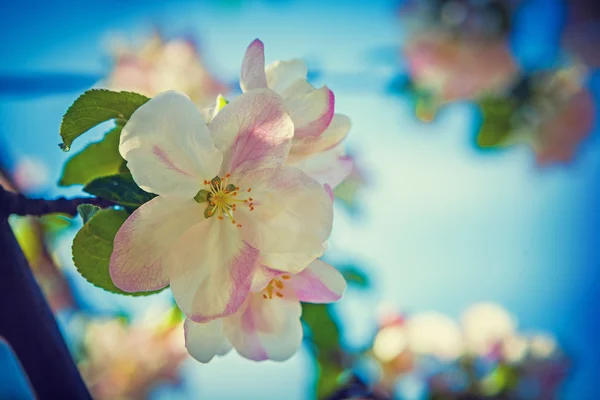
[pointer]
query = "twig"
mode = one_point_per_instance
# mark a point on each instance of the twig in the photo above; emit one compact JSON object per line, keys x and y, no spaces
{"x":16,"y":203}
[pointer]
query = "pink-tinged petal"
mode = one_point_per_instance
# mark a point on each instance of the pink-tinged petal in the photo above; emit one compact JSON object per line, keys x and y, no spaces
{"x":131,"y":73}
{"x":311,"y":109}
{"x":168,"y":148}
{"x":138,"y":263}
{"x":319,"y":283}
{"x":333,"y":135}
{"x":291,"y":262}
{"x":253,"y":67}
{"x":329,"y":191}
{"x":266,"y":329}
{"x":211,"y":270}
{"x":281,"y":74}
{"x":253,"y":131}
{"x":292,"y":217}
{"x":330,"y":167}
{"x":204,"y":341}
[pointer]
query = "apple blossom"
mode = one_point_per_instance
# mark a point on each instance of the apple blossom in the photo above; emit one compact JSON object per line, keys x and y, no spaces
{"x":485,"y":325}
{"x":560,"y":134}
{"x":318,"y":131}
{"x":161,"y":65}
{"x":117,"y":363}
{"x":225,"y":201}
{"x":567,"y":119}
{"x":267,"y":326}
{"x":460,"y":69}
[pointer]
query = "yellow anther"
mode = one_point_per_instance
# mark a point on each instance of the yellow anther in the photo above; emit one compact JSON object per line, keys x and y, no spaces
{"x":222,"y":198}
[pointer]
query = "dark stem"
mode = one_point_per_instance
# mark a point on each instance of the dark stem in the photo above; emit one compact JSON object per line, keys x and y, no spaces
{"x":356,"y":389}
{"x":15,"y":203}
{"x":26,"y":321}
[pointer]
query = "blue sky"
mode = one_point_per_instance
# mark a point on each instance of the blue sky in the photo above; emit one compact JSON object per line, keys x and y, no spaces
{"x":442,"y":226}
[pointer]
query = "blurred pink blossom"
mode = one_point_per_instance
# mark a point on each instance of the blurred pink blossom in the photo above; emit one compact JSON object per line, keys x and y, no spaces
{"x":162,"y":65}
{"x":560,"y":134}
{"x":127,"y":361}
{"x":460,"y":68}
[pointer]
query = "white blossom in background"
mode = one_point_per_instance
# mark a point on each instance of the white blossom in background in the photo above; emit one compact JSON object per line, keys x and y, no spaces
{"x":161,"y":65}
{"x":31,"y":174}
{"x":118,"y":363}
{"x":436,"y":334}
{"x":485,"y":326}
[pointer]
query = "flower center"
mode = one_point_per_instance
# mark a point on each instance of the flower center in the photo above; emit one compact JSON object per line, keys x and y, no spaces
{"x":222,"y":198}
{"x":274,"y":288}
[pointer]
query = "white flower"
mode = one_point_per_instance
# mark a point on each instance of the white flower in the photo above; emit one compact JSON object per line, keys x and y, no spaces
{"x":485,"y":326}
{"x":226,"y":205}
{"x":164,"y":65}
{"x":318,"y":131}
{"x":434,"y":333}
{"x":267,"y":326}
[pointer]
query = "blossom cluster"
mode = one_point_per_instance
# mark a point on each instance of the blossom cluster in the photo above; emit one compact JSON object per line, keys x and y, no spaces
{"x":243,"y":208}
{"x":430,"y":355}
{"x":460,"y":50}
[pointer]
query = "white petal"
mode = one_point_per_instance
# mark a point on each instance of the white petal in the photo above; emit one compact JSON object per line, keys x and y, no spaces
{"x":204,"y":341}
{"x":253,"y":131}
{"x":211,"y":270}
{"x":168,"y":148}
{"x":292,"y":217}
{"x":319,"y":283}
{"x":266,"y":329}
{"x":311,"y":109}
{"x":209,"y":112}
{"x":138,"y":261}
{"x":253,"y":67}
{"x":336,"y":132}
{"x":281,"y":74}
{"x":292,"y":262}
{"x":329,"y":167}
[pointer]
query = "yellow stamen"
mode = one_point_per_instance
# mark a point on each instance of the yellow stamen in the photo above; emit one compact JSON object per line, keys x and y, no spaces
{"x":268,"y":292}
{"x":222,"y":198}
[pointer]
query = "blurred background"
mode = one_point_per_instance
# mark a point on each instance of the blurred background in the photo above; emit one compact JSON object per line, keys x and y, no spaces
{"x":468,"y":231}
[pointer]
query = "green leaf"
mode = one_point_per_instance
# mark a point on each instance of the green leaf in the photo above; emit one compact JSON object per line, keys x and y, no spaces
{"x":346,"y":192}
{"x":87,"y":211}
{"x":97,"y":159}
{"x":497,"y":121}
{"x":120,"y":189}
{"x":93,"y":246}
{"x":325,"y":340}
{"x":56,"y":223}
{"x":329,"y":377}
{"x":355,"y":276}
{"x":324,"y":330}
{"x":426,"y":106}
{"x":94,"y":107}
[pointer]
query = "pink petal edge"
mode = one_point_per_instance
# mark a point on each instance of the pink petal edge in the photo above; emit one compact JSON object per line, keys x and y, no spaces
{"x":318,"y":126}
{"x":253,"y":74}
{"x":241,"y":271}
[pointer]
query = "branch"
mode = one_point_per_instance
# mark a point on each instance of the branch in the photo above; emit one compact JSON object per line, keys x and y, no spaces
{"x":28,"y":325}
{"x":16,"y":203}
